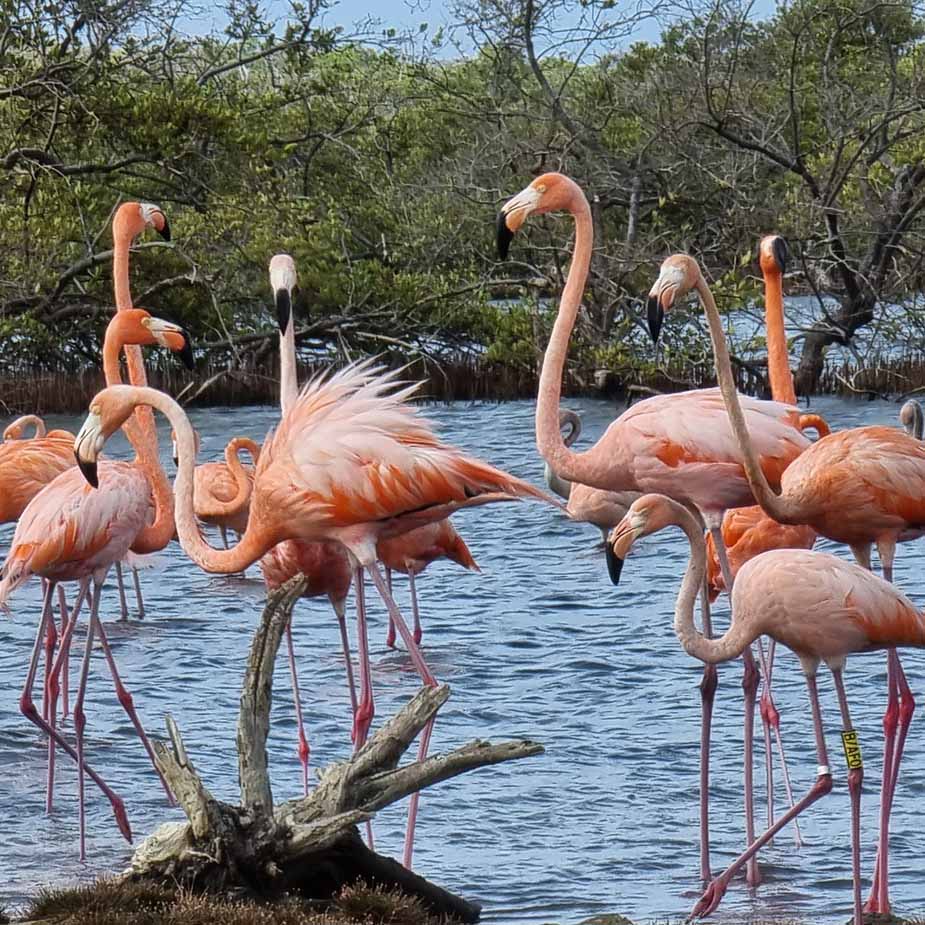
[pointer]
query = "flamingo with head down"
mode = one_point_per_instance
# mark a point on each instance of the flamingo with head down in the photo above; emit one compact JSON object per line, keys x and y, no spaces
{"x":680,"y":444}
{"x":70,"y":533}
{"x":859,"y":486}
{"x":819,"y":606}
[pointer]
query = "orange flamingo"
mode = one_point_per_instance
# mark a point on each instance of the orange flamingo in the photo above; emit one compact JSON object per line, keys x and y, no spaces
{"x":70,"y":533}
{"x":678,"y":444}
{"x":817,"y":605}
{"x":351,"y":462}
{"x":412,"y":552}
{"x":17,"y":429}
{"x":860,"y":486}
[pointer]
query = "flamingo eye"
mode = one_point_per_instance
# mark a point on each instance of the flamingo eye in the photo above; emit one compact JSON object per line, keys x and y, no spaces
{"x":95,"y":409}
{"x":541,"y":188}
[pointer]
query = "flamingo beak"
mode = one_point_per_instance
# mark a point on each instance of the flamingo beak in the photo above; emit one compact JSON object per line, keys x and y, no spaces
{"x":87,"y":445}
{"x":620,"y":542}
{"x":512,"y":216}
{"x":283,"y":309}
{"x":655,"y":317}
{"x":186,"y":351}
{"x":174,"y":337}
{"x":503,"y":236}
{"x":164,"y":229}
{"x":614,"y":564}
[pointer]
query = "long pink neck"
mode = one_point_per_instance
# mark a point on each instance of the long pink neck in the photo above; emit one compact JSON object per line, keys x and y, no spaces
{"x":779,"y":374}
{"x":564,"y":463}
{"x":142,"y":422}
{"x":155,"y":536}
{"x":779,"y":507}
{"x":288,"y":374}
{"x":244,"y":483}
{"x":255,"y":541}
{"x":734,"y":642}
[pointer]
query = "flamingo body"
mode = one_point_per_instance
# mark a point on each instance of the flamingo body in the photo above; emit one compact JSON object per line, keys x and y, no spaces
{"x":412,"y":552}
{"x":27,"y":466}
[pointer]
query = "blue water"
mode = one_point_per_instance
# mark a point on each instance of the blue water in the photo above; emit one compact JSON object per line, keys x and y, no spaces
{"x":539,"y":645}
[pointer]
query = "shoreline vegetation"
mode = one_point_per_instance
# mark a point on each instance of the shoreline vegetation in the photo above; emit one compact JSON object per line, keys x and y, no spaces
{"x":377,"y":156}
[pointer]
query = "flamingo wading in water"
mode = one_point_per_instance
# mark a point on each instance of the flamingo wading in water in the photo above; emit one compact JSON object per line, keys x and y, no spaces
{"x":860,"y":486}
{"x":681,"y":445}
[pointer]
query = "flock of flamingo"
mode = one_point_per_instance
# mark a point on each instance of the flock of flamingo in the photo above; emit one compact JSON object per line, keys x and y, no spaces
{"x":354,"y":477}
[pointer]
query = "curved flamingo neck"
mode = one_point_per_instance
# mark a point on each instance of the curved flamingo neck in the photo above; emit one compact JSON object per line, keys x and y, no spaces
{"x":255,"y":541}
{"x":244,"y":482}
{"x":288,"y":373}
{"x":27,"y":420}
{"x":734,"y":642}
{"x":548,"y":435}
{"x":124,"y":232}
{"x":779,"y":374}
{"x":773,"y":504}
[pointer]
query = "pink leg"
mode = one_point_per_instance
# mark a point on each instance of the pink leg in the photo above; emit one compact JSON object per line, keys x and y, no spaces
{"x":80,"y":718}
{"x":415,"y":613}
{"x":750,"y":690}
{"x":138,"y":598}
{"x":27,"y":706}
{"x":65,"y":619}
{"x":123,"y":603}
{"x":707,"y":695}
{"x":823,"y":785}
{"x":366,"y":709}
{"x":426,"y":677}
{"x":62,"y":661}
{"x":345,"y":645}
{"x":49,"y":693}
{"x":390,"y":635}
{"x":128,"y":703}
{"x":855,"y":781}
{"x":304,"y":750}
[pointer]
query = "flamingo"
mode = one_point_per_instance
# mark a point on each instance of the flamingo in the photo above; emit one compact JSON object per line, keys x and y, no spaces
{"x":859,"y":486}
{"x":817,"y":605}
{"x":412,"y":552}
{"x":351,"y":462}
{"x":69,"y":533}
{"x":677,"y":444}
{"x":16,"y":430}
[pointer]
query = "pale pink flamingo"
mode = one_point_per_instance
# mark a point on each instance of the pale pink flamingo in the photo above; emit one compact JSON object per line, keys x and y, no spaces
{"x":17,"y":429}
{"x":69,"y":532}
{"x":860,"y":486}
{"x":351,"y":462}
{"x":817,"y":605}
{"x":412,"y":552}
{"x":912,"y":419}
{"x":678,"y":444}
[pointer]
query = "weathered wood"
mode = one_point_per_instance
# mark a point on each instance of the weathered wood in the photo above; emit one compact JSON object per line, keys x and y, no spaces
{"x":257,"y":697}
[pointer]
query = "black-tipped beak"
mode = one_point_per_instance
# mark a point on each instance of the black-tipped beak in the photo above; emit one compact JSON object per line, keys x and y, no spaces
{"x":89,"y":471}
{"x":504,"y":236}
{"x":781,"y":253}
{"x":165,"y":231}
{"x":614,"y":563}
{"x":186,"y":354}
{"x":283,"y":309}
{"x":656,"y":315}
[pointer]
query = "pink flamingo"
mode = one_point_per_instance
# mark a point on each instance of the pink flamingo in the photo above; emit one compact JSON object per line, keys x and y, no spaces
{"x":351,"y":462}
{"x":412,"y":552}
{"x":17,"y":429}
{"x":817,"y":605}
{"x":70,"y":533}
{"x":678,"y":444}
{"x":860,"y":486}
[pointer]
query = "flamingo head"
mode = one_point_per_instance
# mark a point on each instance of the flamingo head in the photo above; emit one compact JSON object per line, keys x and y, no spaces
{"x":138,"y":326}
{"x":773,"y":254}
{"x":646,"y":515}
{"x":283,"y":282}
{"x":153,"y":217}
{"x":551,"y":192}
{"x":678,"y":275}
{"x":109,"y":410}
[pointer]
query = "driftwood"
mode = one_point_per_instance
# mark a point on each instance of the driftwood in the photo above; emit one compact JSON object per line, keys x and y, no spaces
{"x":308,"y":846}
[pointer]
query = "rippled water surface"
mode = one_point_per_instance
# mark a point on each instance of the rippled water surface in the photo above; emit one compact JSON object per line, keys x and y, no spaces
{"x":538,"y":645}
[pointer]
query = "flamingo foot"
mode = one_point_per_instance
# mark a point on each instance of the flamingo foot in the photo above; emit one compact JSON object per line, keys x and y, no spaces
{"x":418,"y":635}
{"x":712,"y":897}
{"x":390,"y":635}
{"x":304,"y":752}
{"x":361,"y":723}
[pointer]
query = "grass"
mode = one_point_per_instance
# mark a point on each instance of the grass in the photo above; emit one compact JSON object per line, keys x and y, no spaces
{"x":111,"y":902}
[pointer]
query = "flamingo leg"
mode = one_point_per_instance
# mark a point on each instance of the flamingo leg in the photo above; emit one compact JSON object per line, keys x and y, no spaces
{"x":707,"y":695}
{"x":128,"y":702}
{"x":390,"y":635}
{"x":426,"y":677}
{"x":27,"y":706}
{"x":366,"y":710}
{"x":65,"y":619}
{"x":304,"y":750}
{"x":338,"y":606}
{"x":123,"y":603}
{"x":49,"y":692}
{"x":822,"y":785}
{"x":415,"y":612}
{"x":224,"y":535}
{"x":138,"y":598}
{"x":63,"y":659}
{"x":855,"y":782}
{"x":750,"y":679}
